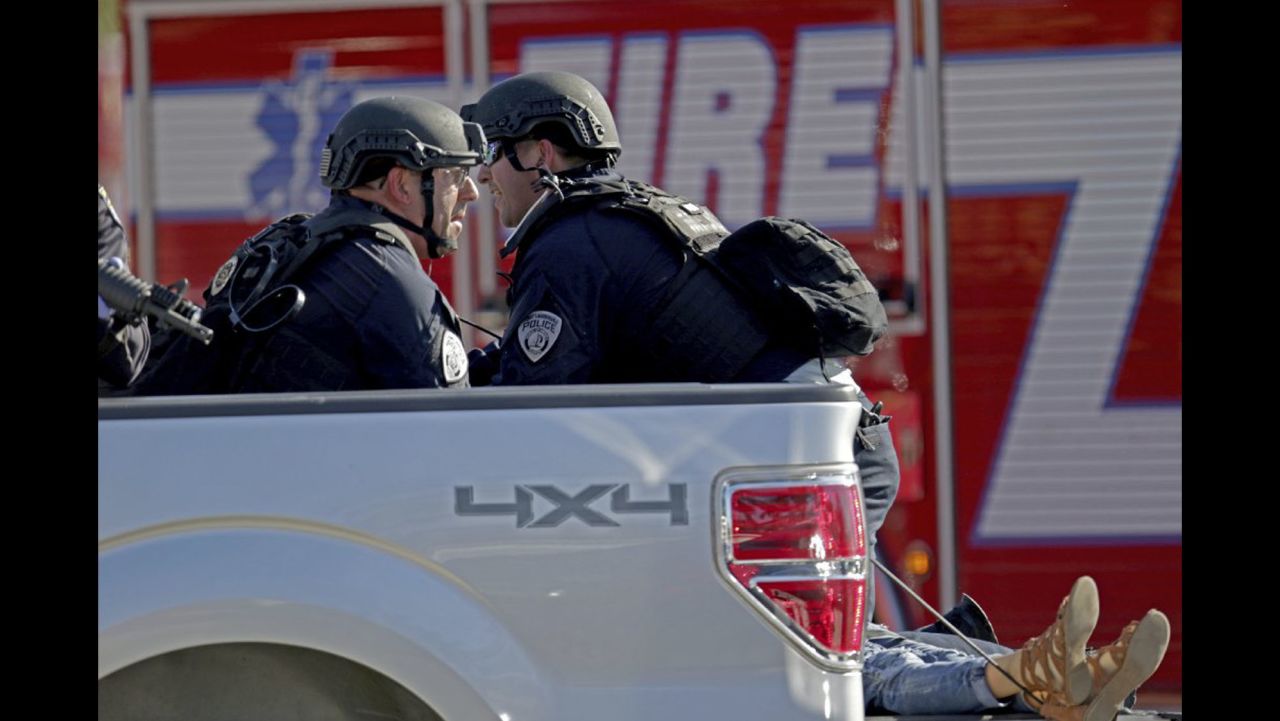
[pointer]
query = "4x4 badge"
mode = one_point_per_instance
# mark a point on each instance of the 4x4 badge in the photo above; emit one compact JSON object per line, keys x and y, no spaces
{"x":574,"y":505}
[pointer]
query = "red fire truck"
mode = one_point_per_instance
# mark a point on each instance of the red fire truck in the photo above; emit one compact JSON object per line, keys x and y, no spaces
{"x":1008,"y":173}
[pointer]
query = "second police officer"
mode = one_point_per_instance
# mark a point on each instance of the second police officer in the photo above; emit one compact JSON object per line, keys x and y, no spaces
{"x":339,"y":300}
{"x":599,"y":292}
{"x":122,"y":347}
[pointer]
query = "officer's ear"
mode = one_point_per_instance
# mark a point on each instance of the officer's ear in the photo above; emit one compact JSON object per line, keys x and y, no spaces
{"x":549,"y":156}
{"x":400,"y":185}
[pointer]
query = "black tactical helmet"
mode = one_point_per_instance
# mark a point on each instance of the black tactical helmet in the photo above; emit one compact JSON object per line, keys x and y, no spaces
{"x":514,"y":106}
{"x":416,"y":132}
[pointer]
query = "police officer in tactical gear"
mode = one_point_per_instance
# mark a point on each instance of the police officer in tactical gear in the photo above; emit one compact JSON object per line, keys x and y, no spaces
{"x":600,"y":293}
{"x":122,"y":346}
{"x":592,"y":298}
{"x":350,"y":305}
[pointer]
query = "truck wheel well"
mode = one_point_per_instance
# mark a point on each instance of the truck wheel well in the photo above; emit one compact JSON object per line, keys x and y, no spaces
{"x":252,"y":681}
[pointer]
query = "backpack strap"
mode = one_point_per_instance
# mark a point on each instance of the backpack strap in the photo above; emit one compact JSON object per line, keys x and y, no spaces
{"x":348,"y":219}
{"x":702,"y":326}
{"x":313,"y":232}
{"x":567,"y":193}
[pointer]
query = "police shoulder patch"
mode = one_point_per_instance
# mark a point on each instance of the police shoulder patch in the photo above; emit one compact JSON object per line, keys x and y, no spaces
{"x":223,"y":275}
{"x":538,"y":333}
{"x":453,"y":357}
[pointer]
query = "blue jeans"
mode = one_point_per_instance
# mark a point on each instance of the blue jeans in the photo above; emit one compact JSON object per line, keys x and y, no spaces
{"x":946,"y":640}
{"x":908,"y":677}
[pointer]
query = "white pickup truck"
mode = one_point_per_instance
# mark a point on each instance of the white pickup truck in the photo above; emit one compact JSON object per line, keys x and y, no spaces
{"x":557,"y":553}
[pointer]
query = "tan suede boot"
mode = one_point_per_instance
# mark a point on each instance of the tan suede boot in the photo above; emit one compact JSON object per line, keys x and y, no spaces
{"x":1117,"y":670}
{"x":1052,"y":664}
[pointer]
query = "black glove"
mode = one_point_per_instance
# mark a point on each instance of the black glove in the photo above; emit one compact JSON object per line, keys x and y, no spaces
{"x":482,"y":363}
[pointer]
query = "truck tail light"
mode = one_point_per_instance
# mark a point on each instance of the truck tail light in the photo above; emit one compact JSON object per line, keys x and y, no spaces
{"x":805,"y":522}
{"x":792,"y":543}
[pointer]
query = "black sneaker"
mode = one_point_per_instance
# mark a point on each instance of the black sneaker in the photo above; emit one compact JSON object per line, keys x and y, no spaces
{"x":968,"y":618}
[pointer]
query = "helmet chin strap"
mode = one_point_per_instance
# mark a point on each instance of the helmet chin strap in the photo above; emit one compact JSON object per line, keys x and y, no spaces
{"x":437,"y":246}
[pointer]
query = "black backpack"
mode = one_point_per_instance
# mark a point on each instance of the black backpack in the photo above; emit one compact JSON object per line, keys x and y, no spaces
{"x":250,"y":298}
{"x":801,"y":278}
{"x":803,"y":283}
{"x":246,"y":297}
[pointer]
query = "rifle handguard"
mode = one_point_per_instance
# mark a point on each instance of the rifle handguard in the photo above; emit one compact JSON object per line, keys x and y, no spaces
{"x":134,"y":298}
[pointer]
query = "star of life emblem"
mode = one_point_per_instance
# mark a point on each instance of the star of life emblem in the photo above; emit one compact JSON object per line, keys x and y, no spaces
{"x":222,"y":276}
{"x":453,"y":356}
{"x":538,"y":333}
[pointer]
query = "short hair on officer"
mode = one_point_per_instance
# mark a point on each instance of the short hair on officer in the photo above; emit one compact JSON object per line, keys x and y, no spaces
{"x":557,"y":106}
{"x":413,"y":132}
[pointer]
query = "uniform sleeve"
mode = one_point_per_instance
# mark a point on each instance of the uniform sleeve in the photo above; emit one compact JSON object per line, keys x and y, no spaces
{"x":547,"y":341}
{"x":561,"y":311}
{"x":122,"y":348}
{"x":409,"y":336}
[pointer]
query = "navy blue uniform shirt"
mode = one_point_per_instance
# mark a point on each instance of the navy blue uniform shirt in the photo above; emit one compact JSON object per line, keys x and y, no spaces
{"x":585,"y":285}
{"x":372,"y":319}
